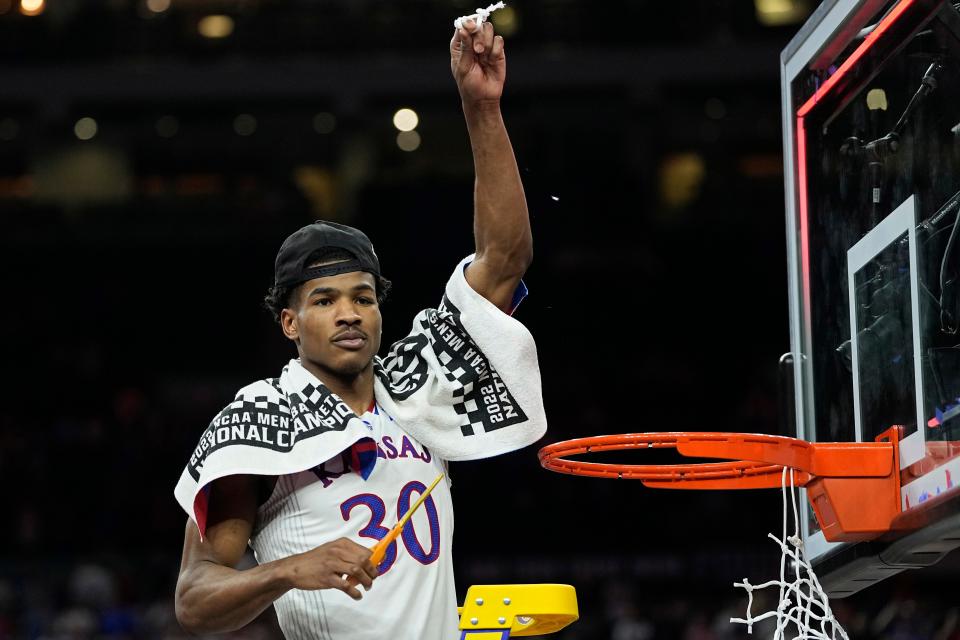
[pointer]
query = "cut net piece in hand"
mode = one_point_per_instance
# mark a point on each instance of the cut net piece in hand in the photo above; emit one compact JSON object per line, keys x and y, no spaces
{"x":803,"y":606}
{"x":479,"y":17}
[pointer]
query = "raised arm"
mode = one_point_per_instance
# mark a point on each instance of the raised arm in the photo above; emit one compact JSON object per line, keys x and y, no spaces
{"x":501,"y":225}
{"x":213,"y":597}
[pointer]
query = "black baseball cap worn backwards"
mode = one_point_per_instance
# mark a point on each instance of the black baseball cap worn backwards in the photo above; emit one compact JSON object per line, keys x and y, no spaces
{"x":302,"y":247}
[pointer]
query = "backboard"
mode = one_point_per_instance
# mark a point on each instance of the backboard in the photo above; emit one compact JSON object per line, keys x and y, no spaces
{"x":871,"y":120}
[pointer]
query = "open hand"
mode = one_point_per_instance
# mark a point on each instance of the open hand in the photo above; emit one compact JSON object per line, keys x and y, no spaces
{"x":478,"y":63}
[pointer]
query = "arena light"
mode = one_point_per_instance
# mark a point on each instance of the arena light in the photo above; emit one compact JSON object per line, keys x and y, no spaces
{"x":777,"y":13}
{"x":761,"y":166}
{"x":158,"y":6}
{"x":505,"y":21}
{"x":32,"y":7}
{"x":681,"y":178}
{"x":406,"y":119}
{"x":85,"y":128}
{"x":408,"y":140}
{"x":215,"y":26}
{"x":877,"y":100}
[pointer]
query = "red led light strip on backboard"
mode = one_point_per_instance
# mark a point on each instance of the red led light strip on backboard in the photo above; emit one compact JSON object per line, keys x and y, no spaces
{"x":825,"y":88}
{"x":860,"y":51}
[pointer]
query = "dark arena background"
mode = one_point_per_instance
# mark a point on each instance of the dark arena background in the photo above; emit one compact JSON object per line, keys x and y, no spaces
{"x":154,"y":154}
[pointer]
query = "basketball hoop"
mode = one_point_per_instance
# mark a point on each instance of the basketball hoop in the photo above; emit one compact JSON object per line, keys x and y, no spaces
{"x":853,"y":487}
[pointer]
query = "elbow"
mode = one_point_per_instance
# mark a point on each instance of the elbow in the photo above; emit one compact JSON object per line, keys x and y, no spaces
{"x":524,"y":254}
{"x":518,"y":263}
{"x":527,"y":257}
{"x":520,"y":256}
{"x":510,"y":263}
{"x":188,"y":617}
{"x":187,"y":620}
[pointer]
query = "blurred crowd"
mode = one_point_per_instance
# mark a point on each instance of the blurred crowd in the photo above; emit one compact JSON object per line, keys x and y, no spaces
{"x":99,"y":599}
{"x":121,"y":599}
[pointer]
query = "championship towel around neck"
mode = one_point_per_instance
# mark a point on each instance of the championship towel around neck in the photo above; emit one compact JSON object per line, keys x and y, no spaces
{"x":465,"y":382}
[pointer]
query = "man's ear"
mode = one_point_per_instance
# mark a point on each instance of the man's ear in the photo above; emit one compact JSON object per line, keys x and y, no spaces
{"x":289,"y":324}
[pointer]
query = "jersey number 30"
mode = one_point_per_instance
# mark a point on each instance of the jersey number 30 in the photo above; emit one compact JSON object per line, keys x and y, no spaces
{"x":375,"y":529}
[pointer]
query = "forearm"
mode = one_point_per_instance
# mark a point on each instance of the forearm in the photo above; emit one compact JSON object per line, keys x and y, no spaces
{"x":501,"y":222}
{"x":214,"y":599}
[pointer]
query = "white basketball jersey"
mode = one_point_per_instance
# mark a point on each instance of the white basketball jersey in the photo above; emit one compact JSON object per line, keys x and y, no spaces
{"x":414,"y":596}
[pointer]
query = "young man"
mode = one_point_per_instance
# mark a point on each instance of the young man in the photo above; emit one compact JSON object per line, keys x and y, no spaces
{"x":313,"y":467}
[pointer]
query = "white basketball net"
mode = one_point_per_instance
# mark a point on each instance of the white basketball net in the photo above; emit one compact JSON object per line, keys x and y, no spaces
{"x":479,"y":17}
{"x":804,"y":606}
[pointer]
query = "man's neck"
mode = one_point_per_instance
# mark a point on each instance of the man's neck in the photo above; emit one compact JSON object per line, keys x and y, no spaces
{"x":355,"y":391}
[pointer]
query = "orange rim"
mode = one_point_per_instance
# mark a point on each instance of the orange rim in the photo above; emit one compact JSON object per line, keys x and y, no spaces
{"x":732,"y":474}
{"x":758,"y":461}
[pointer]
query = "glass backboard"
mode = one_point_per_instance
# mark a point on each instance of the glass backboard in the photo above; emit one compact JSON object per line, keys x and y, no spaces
{"x":871,"y":106}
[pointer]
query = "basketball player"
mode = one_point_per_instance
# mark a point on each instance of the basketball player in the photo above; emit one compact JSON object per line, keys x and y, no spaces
{"x":311,"y":530}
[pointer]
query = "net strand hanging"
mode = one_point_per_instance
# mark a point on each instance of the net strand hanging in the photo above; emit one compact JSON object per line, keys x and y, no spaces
{"x":803,"y":602}
{"x":479,"y":17}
